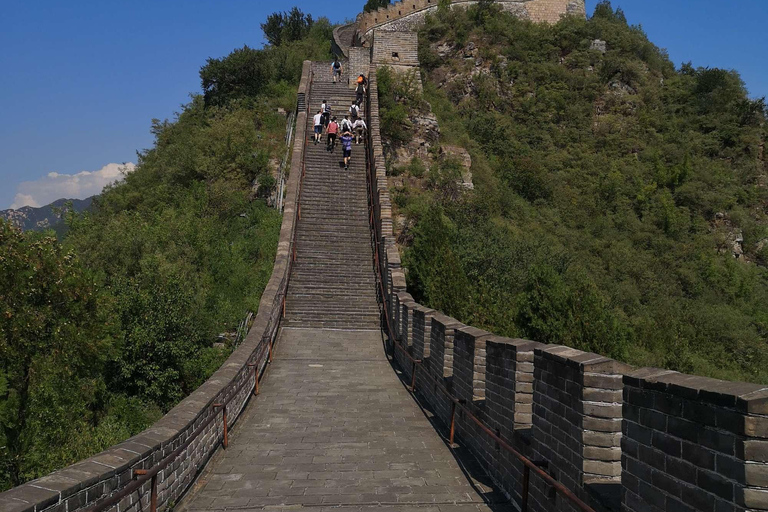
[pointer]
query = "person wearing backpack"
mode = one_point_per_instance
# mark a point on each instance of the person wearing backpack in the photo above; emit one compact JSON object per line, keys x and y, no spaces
{"x":317,"y":121}
{"x":354,"y":111}
{"x":346,"y":125}
{"x":336,"y":69}
{"x":359,"y":129}
{"x":359,"y":93}
{"x":346,"y":145}
{"x":333,"y":131}
{"x":325,"y":108}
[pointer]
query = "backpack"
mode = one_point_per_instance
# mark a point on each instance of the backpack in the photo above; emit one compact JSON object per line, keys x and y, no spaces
{"x":336,"y":65}
{"x":327,"y":108}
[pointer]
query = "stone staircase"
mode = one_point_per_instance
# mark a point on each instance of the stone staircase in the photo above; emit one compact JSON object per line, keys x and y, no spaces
{"x":332,"y":282}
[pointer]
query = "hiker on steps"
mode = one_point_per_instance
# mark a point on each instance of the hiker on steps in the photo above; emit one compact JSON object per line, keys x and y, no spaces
{"x":354,"y":111}
{"x":336,"y":69}
{"x":333,"y":131}
{"x":318,"y":123}
{"x":359,"y":91}
{"x":359,"y":128}
{"x":345,"y":125}
{"x":346,"y":145}
{"x":325,"y":108}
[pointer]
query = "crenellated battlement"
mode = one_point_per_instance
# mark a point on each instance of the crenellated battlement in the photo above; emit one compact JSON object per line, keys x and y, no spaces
{"x":407,"y":14}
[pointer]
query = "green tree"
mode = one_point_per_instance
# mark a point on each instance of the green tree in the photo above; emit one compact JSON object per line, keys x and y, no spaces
{"x":285,"y":27}
{"x":55,"y":335}
{"x":372,"y":5}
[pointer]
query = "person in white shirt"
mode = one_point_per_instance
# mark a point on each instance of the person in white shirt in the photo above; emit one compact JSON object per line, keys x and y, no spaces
{"x":359,"y":128}
{"x":354,"y":111}
{"x":325,"y":108}
{"x":346,"y":125}
{"x":318,"y":122}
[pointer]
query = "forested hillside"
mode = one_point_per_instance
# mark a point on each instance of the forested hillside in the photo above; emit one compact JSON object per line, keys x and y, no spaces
{"x":102,"y":333}
{"x":619,"y":202}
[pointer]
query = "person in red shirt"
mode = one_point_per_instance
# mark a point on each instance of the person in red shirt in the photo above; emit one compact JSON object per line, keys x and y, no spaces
{"x":332,"y":131}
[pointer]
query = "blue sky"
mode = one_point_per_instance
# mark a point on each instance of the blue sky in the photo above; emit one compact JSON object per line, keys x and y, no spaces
{"x":82,"y":80}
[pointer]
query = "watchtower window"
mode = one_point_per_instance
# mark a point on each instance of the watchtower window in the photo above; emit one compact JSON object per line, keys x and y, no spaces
{"x":395,"y":56}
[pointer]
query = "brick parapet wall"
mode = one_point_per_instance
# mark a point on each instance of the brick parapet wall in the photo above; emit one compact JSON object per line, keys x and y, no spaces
{"x":421,"y":334}
{"x":84,"y":483}
{"x":687,"y":444}
{"x":408,"y":14}
{"x":576,"y":422}
{"x":509,"y":384}
{"x":396,"y":48}
{"x":693,"y":443}
{"x":359,"y":63}
{"x":469,"y":363}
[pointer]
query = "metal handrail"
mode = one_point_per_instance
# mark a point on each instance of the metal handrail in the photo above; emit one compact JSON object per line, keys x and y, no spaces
{"x":528,"y":465}
{"x":255,"y":361}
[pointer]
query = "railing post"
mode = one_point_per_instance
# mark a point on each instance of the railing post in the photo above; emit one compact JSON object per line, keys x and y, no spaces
{"x":226,"y":430}
{"x":413,"y":377}
{"x":224,"y":414}
{"x":255,"y":367}
{"x":153,"y":495}
{"x":453,"y":423}
{"x":526,"y":479}
{"x":153,"y":491}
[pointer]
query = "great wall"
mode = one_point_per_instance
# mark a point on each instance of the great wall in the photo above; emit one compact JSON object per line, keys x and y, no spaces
{"x":308,"y":412}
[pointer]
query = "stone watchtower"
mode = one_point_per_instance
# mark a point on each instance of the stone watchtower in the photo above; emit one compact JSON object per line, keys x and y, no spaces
{"x":406,"y":15}
{"x":387,"y":36}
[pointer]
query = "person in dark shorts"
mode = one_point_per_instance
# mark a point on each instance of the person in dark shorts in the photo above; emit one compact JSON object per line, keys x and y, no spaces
{"x":333,"y":131}
{"x":317,"y":122}
{"x":326,"y":109}
{"x":359,"y":94}
{"x":346,"y":145}
{"x":336,"y":70}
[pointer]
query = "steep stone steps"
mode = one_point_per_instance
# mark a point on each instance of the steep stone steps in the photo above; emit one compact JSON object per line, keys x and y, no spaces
{"x":332,"y":281}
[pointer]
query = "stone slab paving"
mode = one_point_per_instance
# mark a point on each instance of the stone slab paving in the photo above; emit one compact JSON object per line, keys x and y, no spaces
{"x":334,"y":428}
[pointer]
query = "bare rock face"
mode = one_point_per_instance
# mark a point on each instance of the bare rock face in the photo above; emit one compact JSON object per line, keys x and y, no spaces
{"x":464,"y":158}
{"x":443,"y":49}
{"x":426,"y":132}
{"x":599,"y":45}
{"x":730,"y":237}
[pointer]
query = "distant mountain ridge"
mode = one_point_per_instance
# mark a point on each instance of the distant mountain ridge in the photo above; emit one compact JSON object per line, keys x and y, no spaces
{"x":29,"y":218}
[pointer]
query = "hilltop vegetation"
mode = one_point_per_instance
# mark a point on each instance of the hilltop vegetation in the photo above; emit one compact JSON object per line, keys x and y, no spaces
{"x":619,"y":203}
{"x":102,"y":333}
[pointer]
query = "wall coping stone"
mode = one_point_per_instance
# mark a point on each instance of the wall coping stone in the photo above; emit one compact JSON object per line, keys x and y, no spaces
{"x":473,"y":332}
{"x":742,"y":396}
{"x":520,"y":345}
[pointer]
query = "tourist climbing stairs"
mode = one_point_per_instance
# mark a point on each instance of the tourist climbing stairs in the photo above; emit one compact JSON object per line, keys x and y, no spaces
{"x":332,"y":283}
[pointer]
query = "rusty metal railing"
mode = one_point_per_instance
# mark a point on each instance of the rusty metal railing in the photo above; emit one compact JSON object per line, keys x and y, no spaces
{"x":381,"y":270}
{"x":257,"y":363}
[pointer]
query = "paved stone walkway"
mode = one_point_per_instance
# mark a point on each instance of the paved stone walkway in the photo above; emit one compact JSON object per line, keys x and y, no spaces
{"x":334,"y":427}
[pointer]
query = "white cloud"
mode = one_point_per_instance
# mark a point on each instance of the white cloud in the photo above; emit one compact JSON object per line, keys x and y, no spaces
{"x":55,"y":185}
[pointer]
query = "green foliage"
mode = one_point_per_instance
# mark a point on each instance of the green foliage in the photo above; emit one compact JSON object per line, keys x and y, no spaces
{"x":175,"y":254}
{"x":597,"y":178}
{"x":285,"y":27}
{"x":246,"y":72}
{"x":56,"y":334}
{"x":372,"y":5}
{"x":398,"y":96}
